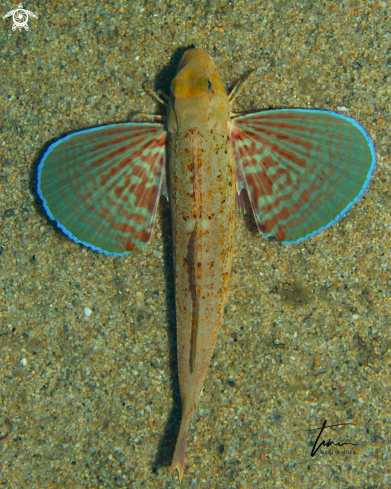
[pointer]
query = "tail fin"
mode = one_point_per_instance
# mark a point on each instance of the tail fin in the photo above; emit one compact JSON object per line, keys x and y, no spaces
{"x":178,"y":460}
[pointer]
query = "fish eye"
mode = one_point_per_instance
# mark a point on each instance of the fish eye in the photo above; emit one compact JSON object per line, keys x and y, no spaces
{"x":209,"y":85}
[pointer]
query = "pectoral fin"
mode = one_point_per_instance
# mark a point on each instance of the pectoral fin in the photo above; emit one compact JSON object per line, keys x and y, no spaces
{"x":302,"y":169}
{"x":102,"y":185}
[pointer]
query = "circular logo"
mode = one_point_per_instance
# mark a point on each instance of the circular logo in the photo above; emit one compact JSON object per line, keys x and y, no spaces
{"x":22,"y":17}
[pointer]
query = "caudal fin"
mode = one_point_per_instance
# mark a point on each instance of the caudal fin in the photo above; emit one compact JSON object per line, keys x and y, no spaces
{"x":178,"y":460}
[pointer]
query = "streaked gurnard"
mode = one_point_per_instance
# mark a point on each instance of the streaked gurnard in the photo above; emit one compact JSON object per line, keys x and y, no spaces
{"x":300,"y":170}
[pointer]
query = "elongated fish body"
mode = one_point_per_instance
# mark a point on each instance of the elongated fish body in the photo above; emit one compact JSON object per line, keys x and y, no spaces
{"x":301,"y":170}
{"x":202,"y":198}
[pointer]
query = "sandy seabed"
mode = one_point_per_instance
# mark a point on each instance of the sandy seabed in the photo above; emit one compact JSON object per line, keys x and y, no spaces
{"x":93,"y":402}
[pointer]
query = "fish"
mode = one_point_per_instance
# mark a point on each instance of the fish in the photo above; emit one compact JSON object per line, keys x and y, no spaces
{"x":298,"y":170}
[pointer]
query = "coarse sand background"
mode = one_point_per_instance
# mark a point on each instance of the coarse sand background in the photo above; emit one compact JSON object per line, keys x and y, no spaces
{"x":93,"y":402}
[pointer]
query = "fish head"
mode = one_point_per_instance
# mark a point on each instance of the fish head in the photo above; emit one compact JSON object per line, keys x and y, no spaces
{"x":198,"y":97}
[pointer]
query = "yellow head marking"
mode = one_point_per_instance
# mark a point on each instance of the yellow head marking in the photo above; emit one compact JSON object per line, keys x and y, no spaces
{"x":198,"y":97}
